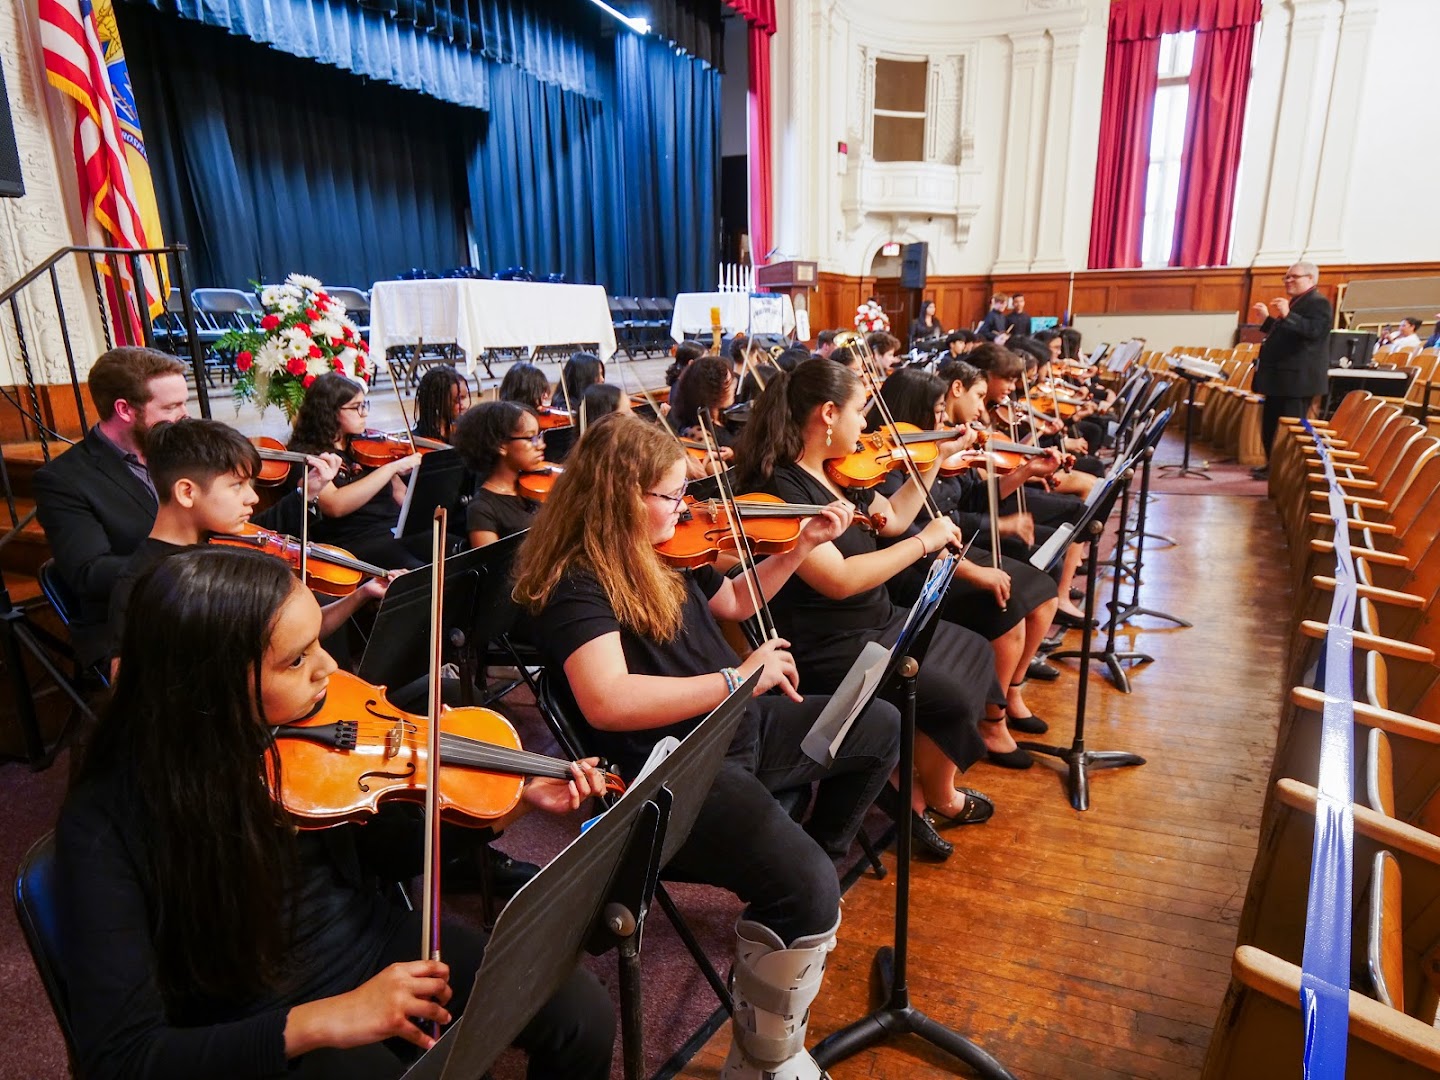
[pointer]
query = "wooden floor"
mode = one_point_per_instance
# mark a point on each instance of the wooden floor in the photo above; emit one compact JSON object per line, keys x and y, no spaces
{"x":1090,"y":946}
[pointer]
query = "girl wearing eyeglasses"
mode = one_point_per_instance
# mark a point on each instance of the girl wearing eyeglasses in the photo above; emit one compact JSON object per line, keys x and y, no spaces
{"x":634,"y":649}
{"x":498,"y":440}
{"x":360,"y":507}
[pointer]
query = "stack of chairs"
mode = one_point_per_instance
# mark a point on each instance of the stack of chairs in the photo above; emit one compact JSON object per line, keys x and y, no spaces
{"x":1375,"y":659}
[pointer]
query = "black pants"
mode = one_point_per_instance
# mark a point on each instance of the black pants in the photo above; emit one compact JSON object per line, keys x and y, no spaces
{"x":744,"y":841}
{"x":1273,"y":409}
{"x":572,"y":1035}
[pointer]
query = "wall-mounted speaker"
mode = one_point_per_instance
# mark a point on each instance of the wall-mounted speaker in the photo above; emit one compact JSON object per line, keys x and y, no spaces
{"x":11,"y":185}
{"x":912,"y":266}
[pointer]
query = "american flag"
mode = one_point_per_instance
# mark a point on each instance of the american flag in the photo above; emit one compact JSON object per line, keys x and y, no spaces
{"x":77,"y":64}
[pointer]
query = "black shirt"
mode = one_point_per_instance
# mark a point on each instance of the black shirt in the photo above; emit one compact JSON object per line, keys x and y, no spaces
{"x":492,"y":511}
{"x":373,"y":518}
{"x":579,"y":612}
{"x":150,"y":552}
{"x":106,"y":906}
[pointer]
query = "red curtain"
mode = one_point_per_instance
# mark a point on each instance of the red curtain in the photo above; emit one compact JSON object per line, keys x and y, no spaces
{"x":1118,"y":213}
{"x":1219,"y":84}
{"x":760,"y":14}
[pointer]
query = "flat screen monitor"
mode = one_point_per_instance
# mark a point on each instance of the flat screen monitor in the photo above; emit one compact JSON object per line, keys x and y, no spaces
{"x":1351,"y":348}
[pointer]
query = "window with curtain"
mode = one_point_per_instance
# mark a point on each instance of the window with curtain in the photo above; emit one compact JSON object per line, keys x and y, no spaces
{"x":1167,"y":147}
{"x":899,"y":116}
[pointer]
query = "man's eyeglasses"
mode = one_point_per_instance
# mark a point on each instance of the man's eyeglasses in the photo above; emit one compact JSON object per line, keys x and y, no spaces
{"x":1296,"y":277}
{"x":538,"y":439}
{"x":361,"y":407}
{"x":678,"y":499}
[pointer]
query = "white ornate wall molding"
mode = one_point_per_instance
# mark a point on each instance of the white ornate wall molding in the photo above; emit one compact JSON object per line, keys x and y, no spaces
{"x":1025,"y":133}
{"x":1059,"y":173}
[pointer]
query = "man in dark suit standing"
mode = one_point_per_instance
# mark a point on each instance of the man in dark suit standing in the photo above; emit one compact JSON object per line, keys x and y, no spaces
{"x":96,"y":501}
{"x":1293,"y":365}
{"x":1017,"y":323}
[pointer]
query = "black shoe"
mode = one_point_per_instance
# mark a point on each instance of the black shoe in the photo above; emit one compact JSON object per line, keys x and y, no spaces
{"x":978,"y":809}
{"x":1077,"y":594}
{"x":1026,"y":725}
{"x":1019,"y":758}
{"x":1050,"y":644}
{"x":1071,"y":622}
{"x":925,"y":840}
{"x":1042,"y":670}
{"x":1261,"y":472}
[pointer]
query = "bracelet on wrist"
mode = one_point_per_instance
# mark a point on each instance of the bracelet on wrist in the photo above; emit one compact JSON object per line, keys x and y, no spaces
{"x":732,"y":679}
{"x":924,"y":551}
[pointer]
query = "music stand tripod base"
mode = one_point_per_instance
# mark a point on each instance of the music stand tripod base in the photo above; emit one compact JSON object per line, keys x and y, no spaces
{"x":1184,"y":466}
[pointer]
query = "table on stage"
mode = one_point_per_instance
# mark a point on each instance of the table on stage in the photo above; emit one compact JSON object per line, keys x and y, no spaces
{"x":478,"y":314}
{"x":1382,"y":381}
{"x":692,"y":313}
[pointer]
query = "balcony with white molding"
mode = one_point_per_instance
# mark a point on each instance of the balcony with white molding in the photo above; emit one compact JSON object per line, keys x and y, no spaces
{"x":909,"y":190}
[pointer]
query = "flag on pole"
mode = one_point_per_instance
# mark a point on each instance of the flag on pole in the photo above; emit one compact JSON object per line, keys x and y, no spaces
{"x":84,"y":60}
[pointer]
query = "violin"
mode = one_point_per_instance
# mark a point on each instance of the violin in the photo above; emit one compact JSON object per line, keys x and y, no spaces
{"x":1008,"y":456}
{"x":770,"y":524}
{"x":536,"y":485}
{"x":377,"y":448}
{"x":357,"y":751}
{"x":275,"y":460}
{"x":551,"y":418}
{"x":879,"y":452}
{"x":330,"y":571}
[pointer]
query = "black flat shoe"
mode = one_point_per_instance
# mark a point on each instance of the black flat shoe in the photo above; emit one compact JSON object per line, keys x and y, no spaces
{"x":1077,"y":595}
{"x":1019,"y":758}
{"x":925,"y":840}
{"x":1071,"y":622}
{"x":1042,"y":670}
{"x":1026,"y":725}
{"x":978,"y":809}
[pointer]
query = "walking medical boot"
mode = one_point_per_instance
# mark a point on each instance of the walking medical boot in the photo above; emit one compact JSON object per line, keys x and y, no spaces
{"x":774,"y":987}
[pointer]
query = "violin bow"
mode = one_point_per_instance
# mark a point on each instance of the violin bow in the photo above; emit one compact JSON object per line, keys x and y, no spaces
{"x":399,"y":400}
{"x":743,"y":551}
{"x":430,"y":921}
{"x":304,"y":524}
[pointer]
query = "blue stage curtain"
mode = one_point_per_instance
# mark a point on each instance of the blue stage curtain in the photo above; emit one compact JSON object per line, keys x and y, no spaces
{"x":267,"y":165}
{"x":544,"y":184}
{"x":669,"y":126}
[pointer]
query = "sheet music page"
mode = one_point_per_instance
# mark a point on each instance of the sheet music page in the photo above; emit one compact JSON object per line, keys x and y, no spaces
{"x":825,"y":736}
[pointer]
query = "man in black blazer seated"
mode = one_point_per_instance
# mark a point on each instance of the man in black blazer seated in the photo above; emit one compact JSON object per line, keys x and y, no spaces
{"x":96,"y":501}
{"x":1293,"y":365}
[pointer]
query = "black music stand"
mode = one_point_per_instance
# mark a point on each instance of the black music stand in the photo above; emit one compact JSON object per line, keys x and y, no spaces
{"x":1079,"y":761}
{"x":898,"y":1016}
{"x":398,"y":651}
{"x":593,"y":896}
{"x":435,"y":483}
{"x":1194,"y":379}
{"x":1138,"y":537}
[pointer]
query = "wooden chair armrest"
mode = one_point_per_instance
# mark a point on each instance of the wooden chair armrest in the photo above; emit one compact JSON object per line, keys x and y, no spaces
{"x":1380,"y":558}
{"x":1338,"y":455}
{"x":1399,"y":835}
{"x":1344,"y":481}
{"x":1374,"y":592}
{"x":1401,"y":650}
{"x":1377,"y":527}
{"x":1393,"y":723}
{"x":1352,"y":500}
{"x":1374,"y":1023}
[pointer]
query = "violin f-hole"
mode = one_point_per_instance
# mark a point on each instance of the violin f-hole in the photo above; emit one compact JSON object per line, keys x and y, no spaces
{"x":406,"y":774}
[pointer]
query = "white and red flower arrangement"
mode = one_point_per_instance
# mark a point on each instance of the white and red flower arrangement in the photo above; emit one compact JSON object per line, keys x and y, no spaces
{"x":871,"y":318}
{"x":303,"y":334}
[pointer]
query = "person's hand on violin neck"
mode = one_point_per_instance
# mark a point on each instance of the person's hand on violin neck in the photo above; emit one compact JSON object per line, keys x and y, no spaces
{"x":320,"y":472}
{"x":1045,"y":464}
{"x":384,"y":1007}
{"x":556,"y":796}
{"x":776,"y":667}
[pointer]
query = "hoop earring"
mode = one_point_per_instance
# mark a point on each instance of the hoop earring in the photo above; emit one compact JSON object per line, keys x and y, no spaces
{"x":829,"y":432}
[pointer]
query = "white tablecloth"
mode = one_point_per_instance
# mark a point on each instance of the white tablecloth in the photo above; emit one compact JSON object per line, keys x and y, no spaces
{"x":692,"y":313}
{"x":479,"y":315}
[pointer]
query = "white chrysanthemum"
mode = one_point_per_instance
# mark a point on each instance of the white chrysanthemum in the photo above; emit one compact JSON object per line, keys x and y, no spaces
{"x":287,"y":305}
{"x":318,"y":365}
{"x":270,"y":295}
{"x":303,"y":281}
{"x":348,"y":358}
{"x":326,"y":328}
{"x":269,"y":359}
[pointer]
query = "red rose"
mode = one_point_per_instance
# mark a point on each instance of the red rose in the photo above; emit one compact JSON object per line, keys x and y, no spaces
{"x":311,"y":314}
{"x":295,"y":365}
{"x":243,"y":360}
{"x":304,"y":326}
{"x":347,"y":333}
{"x":305,"y":382}
{"x":339,"y":364}
{"x":362,"y":345}
{"x":322,"y":298}
{"x":316,"y":351}
{"x":270,"y":322}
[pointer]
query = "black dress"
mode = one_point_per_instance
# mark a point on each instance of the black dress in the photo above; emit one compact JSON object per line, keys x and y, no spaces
{"x":501,"y":514}
{"x":957,"y":673}
{"x":967,"y":604}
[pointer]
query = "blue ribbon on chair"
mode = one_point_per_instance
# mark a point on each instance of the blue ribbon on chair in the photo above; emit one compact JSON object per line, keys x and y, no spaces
{"x":1325,"y":974}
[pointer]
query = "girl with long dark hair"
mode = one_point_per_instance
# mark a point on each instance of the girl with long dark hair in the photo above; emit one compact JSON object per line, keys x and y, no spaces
{"x":202,"y":935}
{"x":525,"y":384}
{"x":837,"y":601}
{"x":360,"y":507}
{"x":706,"y":388}
{"x":498,"y":440}
{"x":442,"y":396}
{"x":643,"y":658}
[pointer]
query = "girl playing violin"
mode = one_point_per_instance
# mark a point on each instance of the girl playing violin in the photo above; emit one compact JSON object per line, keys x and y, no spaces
{"x":525,"y":384}
{"x":837,"y":600}
{"x":360,"y":508}
{"x":204,"y":936}
{"x":440,"y":399}
{"x":643,"y":658}
{"x":498,"y":441}
{"x":706,"y":388}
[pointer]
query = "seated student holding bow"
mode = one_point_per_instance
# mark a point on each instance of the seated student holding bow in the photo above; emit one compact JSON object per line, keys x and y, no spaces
{"x":837,"y":601}
{"x":499,"y":441}
{"x":201,"y":934}
{"x":361,"y":506}
{"x":643,"y":658}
